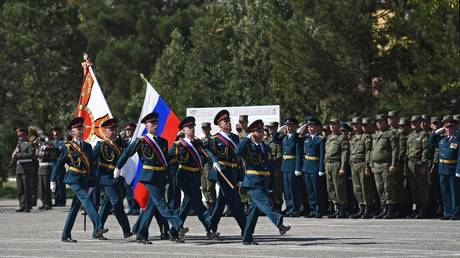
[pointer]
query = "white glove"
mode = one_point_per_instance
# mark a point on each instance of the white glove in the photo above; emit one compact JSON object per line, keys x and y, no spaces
{"x":321,"y":173}
{"x":90,"y":190}
{"x":281,"y":129}
{"x":53,"y":186}
{"x":116,"y":173}
{"x":457,"y":174}
{"x":249,"y":135}
{"x":440,"y":130}
{"x":302,"y":129}
{"x":239,"y":184}
{"x":216,"y":166}
{"x":298,"y":173}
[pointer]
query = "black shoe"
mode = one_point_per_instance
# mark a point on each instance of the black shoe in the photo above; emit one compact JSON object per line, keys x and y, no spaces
{"x":164,"y":236}
{"x":27,"y":210}
{"x":213,"y":235}
{"x":250,"y":243}
{"x":127,"y":234}
{"x":382,"y":213}
{"x":445,"y":217}
{"x":318,"y":216}
{"x":310,"y":215}
{"x":176,"y":239}
{"x":55,"y":204}
{"x":41,"y":207}
{"x":48,"y":208}
{"x":101,"y":231}
{"x":20,"y":210}
{"x":99,"y":238}
{"x":68,"y":240}
{"x":181,"y":233}
{"x":143,"y":241}
{"x":283,"y":229}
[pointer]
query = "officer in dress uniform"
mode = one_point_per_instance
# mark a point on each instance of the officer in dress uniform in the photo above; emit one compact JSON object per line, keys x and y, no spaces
{"x":258,"y":180}
{"x":449,"y":169}
{"x":152,"y":151}
{"x":292,"y":161}
{"x":58,"y":146}
{"x":133,"y":206}
{"x":190,"y":154}
{"x":207,"y":187}
{"x":106,"y":154}
{"x":313,"y":164}
{"x":226,"y":170}
{"x":22,"y":156}
{"x":77,"y":158}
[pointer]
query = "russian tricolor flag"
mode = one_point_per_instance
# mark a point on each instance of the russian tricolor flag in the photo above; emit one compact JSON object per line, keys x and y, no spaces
{"x":168,"y":124}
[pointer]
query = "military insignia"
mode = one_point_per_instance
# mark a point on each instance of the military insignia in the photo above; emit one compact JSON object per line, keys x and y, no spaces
{"x":453,"y":145}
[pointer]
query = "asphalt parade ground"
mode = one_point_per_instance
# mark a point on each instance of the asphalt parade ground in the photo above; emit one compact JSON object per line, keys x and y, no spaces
{"x":38,"y":234}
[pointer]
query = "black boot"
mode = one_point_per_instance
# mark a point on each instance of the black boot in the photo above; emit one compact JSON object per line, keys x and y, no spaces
{"x":334,"y":214}
{"x":391,"y":212}
{"x":367,"y":212}
{"x":359,"y":213}
{"x":383,"y":211}
{"x":342,"y":212}
{"x":421,"y":213}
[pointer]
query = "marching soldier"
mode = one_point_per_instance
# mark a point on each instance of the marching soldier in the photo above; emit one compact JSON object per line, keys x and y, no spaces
{"x":277,"y":154}
{"x":190,"y":154}
{"x":258,"y":180}
{"x":133,"y":206}
{"x":58,"y":146}
{"x":77,"y":158}
{"x":336,"y":159}
{"x":45,"y":154}
{"x":360,"y":152}
{"x":207,"y":187}
{"x":384,"y":157}
{"x":22,"y":156}
{"x":152,"y":151}
{"x":292,"y":154}
{"x":226,"y":170}
{"x":106,"y":154}
{"x":417,"y":174}
{"x":313,"y":164}
{"x":449,"y":170}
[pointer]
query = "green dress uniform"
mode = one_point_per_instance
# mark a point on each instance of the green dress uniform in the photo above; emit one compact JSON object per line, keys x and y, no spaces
{"x":336,"y":159}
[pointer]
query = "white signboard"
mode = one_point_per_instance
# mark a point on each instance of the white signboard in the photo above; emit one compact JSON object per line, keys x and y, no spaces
{"x":266,"y":113}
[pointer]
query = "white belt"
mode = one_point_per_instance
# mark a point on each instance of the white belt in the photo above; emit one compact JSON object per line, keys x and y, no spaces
{"x":24,"y":160}
{"x":44,"y":164}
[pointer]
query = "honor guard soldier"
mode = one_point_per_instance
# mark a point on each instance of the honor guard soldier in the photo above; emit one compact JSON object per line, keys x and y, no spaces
{"x":58,"y":146}
{"x":190,"y":154}
{"x":106,"y":154}
{"x":226,"y":170}
{"x":23,"y":156}
{"x":207,"y":187}
{"x":77,"y":158}
{"x":277,"y":155}
{"x":336,"y":160}
{"x":258,"y":180}
{"x":152,"y":151}
{"x":449,"y":170}
{"x":45,"y":154}
{"x":133,"y":206}
{"x":418,"y":156}
{"x":360,"y":152}
{"x":384,"y":157}
{"x":313,"y":164}
{"x":292,"y":160}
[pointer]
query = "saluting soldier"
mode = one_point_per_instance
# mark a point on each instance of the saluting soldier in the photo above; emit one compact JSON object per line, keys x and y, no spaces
{"x":360,"y":152}
{"x":313,"y":164}
{"x":292,"y":160}
{"x":207,"y":187}
{"x":417,"y":174}
{"x":258,"y":180}
{"x":384,"y":157}
{"x":106,"y":154}
{"x":449,"y":170}
{"x":22,"y":156}
{"x":60,"y":195}
{"x":77,"y":158}
{"x":277,"y":155}
{"x":226,"y":170}
{"x":133,"y":205}
{"x":336,"y":159}
{"x":153,"y":153}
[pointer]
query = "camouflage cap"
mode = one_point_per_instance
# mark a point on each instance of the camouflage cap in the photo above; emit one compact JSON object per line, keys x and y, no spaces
{"x":402,"y":121}
{"x":425,"y":117}
{"x":392,"y":113}
{"x":205,"y":125}
{"x":367,"y":120}
{"x":380,"y":117}
{"x":456,"y":117}
{"x":356,"y":120}
{"x":435,"y":119}
{"x":334,"y":120}
{"x":447,"y":117}
{"x":415,"y":118}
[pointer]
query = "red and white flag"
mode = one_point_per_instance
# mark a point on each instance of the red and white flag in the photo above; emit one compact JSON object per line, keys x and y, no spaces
{"x":92,"y":106}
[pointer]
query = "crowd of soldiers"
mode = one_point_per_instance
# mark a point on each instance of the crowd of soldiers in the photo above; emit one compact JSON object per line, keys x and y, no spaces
{"x":366,"y":168}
